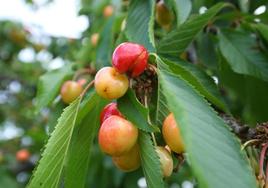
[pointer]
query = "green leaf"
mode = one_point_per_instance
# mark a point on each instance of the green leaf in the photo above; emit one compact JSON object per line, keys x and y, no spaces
{"x":104,"y":49}
{"x":183,"y":9}
{"x":49,"y":85}
{"x":197,"y":78}
{"x":140,"y":23}
{"x":150,"y":162}
{"x":49,"y":170}
{"x":162,"y":109}
{"x":242,"y":53}
{"x":263,"y":29}
{"x":81,"y":143}
{"x":177,"y":41}
{"x":214,"y":153}
{"x":129,"y":105}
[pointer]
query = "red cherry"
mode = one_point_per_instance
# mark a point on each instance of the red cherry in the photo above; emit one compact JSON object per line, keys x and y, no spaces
{"x":130,"y":57}
{"x":108,"y":110}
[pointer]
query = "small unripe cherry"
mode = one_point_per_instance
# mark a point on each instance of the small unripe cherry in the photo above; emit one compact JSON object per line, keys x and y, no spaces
{"x":108,"y":110}
{"x":164,"y":16}
{"x":130,"y":58}
{"x":23,"y":155}
{"x":165,"y":161}
{"x":94,"y":39}
{"x":70,"y":90}
{"x":171,"y":134}
{"x":108,"y":11}
{"x":117,"y":136}
{"x":129,"y":161}
{"x":110,"y":84}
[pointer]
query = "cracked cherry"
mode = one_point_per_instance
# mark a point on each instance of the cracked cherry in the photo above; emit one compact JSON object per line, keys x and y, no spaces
{"x":108,"y":110}
{"x":171,"y":134}
{"x":165,"y":161}
{"x":130,"y":58}
{"x":110,"y":84}
{"x":117,"y":136}
{"x":70,"y":90}
{"x":129,"y":161}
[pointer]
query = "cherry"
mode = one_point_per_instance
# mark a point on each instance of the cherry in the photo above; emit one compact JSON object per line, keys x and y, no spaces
{"x":108,"y":110}
{"x":110,"y":84}
{"x":165,"y":161}
{"x":23,"y":155}
{"x":108,"y":11}
{"x":70,"y":90}
{"x":129,"y":161}
{"x":117,"y":136}
{"x":94,"y":39}
{"x":164,"y":16}
{"x":130,"y":57}
{"x":171,"y":134}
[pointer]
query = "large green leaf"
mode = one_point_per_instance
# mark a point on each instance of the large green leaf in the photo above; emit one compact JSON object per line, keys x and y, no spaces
{"x":197,"y":78}
{"x":140,"y":21}
{"x":49,"y":170}
{"x":178,"y":40}
{"x":213,"y":151}
{"x":150,"y":162}
{"x":49,"y":85}
{"x":81,"y":144}
{"x":241,"y":52}
{"x":183,"y":9}
{"x":129,"y":105}
{"x":104,"y":49}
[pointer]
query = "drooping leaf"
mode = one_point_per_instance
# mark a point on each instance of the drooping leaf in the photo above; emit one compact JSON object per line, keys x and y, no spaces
{"x":242,"y":53}
{"x":49,"y":85}
{"x":245,"y":95}
{"x":150,"y":162}
{"x":81,"y":144}
{"x":183,"y":9}
{"x":263,"y":29}
{"x":213,"y":151}
{"x":140,"y":21}
{"x":104,"y":49}
{"x":129,"y":105}
{"x":177,"y":40}
{"x":197,"y":78}
{"x":49,"y":170}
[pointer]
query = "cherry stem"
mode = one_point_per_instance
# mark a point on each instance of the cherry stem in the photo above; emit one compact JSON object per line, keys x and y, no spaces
{"x":266,"y":174}
{"x":181,"y":159}
{"x":148,"y":118}
{"x":249,"y":142}
{"x":263,"y":152}
{"x":86,"y":88}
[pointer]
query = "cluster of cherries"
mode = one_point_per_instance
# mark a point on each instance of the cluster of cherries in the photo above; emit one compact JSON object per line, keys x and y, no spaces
{"x":118,"y":137}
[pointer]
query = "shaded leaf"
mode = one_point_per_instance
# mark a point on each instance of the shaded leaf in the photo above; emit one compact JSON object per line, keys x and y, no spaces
{"x":183,"y":9}
{"x":177,"y":41}
{"x":140,"y":21}
{"x":242,"y":53}
{"x":134,"y":111}
{"x":104,"y":49}
{"x":197,"y":78}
